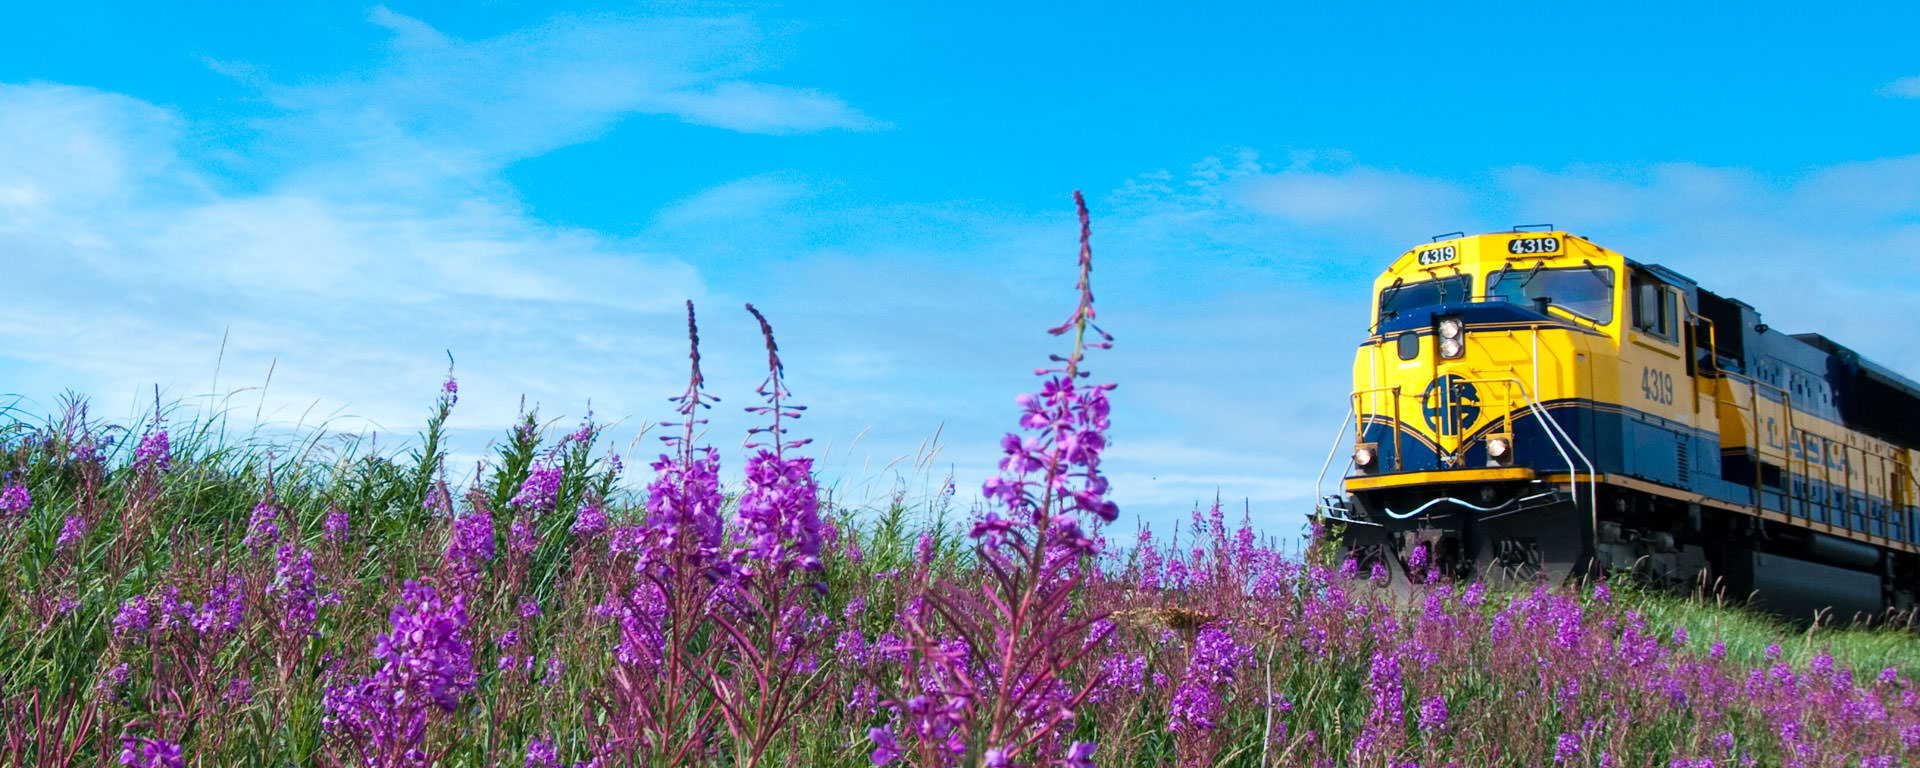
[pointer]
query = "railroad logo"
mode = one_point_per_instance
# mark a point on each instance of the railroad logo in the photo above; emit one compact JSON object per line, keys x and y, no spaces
{"x":1450,"y":405}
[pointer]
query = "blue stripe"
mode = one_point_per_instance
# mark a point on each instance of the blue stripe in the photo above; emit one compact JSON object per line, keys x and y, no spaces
{"x":1633,"y":443}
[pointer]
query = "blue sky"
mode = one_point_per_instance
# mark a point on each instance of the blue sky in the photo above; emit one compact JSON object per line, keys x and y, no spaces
{"x":347,"y":191}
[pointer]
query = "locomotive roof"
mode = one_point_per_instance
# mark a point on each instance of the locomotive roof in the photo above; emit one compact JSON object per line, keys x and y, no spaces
{"x":1886,"y":375}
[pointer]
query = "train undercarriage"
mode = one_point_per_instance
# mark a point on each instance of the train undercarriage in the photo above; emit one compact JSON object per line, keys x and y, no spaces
{"x":1524,"y":531}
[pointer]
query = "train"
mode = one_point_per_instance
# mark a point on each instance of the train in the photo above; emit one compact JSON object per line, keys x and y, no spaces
{"x":1531,"y":405}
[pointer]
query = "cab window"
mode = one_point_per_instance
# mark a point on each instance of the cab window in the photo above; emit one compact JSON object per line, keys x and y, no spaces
{"x":1395,"y":299}
{"x":1655,"y":308}
{"x":1586,"y":291}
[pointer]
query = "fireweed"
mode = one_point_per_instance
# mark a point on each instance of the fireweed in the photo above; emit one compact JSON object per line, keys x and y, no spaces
{"x":993,"y":677}
{"x":529,"y":616}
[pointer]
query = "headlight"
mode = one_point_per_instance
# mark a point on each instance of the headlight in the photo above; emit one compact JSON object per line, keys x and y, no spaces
{"x":1449,"y":327}
{"x":1451,"y":348}
{"x":1363,"y":456}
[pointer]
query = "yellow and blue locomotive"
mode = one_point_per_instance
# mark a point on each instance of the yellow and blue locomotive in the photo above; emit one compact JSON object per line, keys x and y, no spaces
{"x":1530,"y":404}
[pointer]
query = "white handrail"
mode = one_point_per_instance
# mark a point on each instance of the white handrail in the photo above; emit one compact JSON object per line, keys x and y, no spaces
{"x":1593,"y":483}
{"x":1320,"y":481}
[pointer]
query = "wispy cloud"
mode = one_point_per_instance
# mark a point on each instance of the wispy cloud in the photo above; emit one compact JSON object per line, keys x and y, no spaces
{"x":733,"y":203}
{"x":1353,"y":196}
{"x":1903,"y":88}
{"x":762,"y":108}
{"x":438,"y":109}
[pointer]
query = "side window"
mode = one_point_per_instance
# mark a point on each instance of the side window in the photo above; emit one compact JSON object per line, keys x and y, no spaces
{"x":1655,"y":308}
{"x":1670,"y":313}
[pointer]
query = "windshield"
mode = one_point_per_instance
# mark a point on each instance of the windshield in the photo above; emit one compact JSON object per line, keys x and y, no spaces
{"x":1401,"y":297}
{"x":1585,"y":291}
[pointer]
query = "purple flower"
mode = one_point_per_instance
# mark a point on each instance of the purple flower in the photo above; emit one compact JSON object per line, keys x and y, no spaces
{"x":471,"y":546}
{"x":71,"y":532}
{"x":1210,"y":669}
{"x":240,"y":691}
{"x":1566,"y":748}
{"x":262,"y":527}
{"x":15,"y":499}
{"x":336,"y":527}
{"x":426,"y":665}
{"x":153,"y":451}
{"x":779,"y":512}
{"x":1433,"y":713}
{"x":683,"y":513}
{"x":520,"y":538}
{"x":437,"y":498}
{"x":1773,"y":652}
{"x":134,"y":619}
{"x":294,"y":587}
{"x":223,"y":610}
{"x":1080,"y":755}
{"x":450,"y":390}
{"x":885,"y":748}
{"x":923,"y":550}
{"x":142,"y":752}
{"x":541,"y":754}
{"x":541,"y":490}
{"x":1120,"y":674}
{"x":1387,"y":716}
{"x":590,"y":521}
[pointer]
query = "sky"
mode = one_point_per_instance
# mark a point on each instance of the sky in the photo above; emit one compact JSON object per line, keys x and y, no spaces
{"x":297,"y":212}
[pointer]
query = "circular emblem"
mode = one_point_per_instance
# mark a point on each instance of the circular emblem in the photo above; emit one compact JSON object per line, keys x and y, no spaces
{"x":1450,"y":405}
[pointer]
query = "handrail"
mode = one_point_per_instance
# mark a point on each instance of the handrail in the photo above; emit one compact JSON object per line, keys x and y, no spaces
{"x":1320,"y":481}
{"x":1353,"y":410}
{"x":1555,"y":434}
{"x":1759,"y":448}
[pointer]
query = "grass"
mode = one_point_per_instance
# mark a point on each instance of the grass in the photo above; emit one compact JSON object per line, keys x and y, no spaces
{"x":1311,"y":690}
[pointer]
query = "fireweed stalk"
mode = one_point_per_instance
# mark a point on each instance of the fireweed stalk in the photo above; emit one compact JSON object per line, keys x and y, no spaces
{"x":998,"y":684}
{"x":772,"y":626}
{"x":660,"y":707}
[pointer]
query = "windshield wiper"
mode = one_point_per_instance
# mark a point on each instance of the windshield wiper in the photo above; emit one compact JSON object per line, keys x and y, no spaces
{"x":1531,"y":274}
{"x":1498,"y":278}
{"x":1387,"y":296}
{"x":1605,"y":275}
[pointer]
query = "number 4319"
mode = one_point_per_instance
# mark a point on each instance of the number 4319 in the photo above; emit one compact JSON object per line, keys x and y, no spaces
{"x":1656,"y":385}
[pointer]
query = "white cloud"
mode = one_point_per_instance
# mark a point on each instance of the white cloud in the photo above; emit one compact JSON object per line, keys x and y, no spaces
{"x":734,"y":202}
{"x":761,"y":108}
{"x":1903,"y":88}
{"x":440,"y":110}
{"x":1355,"y":195}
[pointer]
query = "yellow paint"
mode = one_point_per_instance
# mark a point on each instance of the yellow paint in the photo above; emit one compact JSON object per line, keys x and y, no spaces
{"x":1500,"y":361}
{"x":1370,"y":482}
